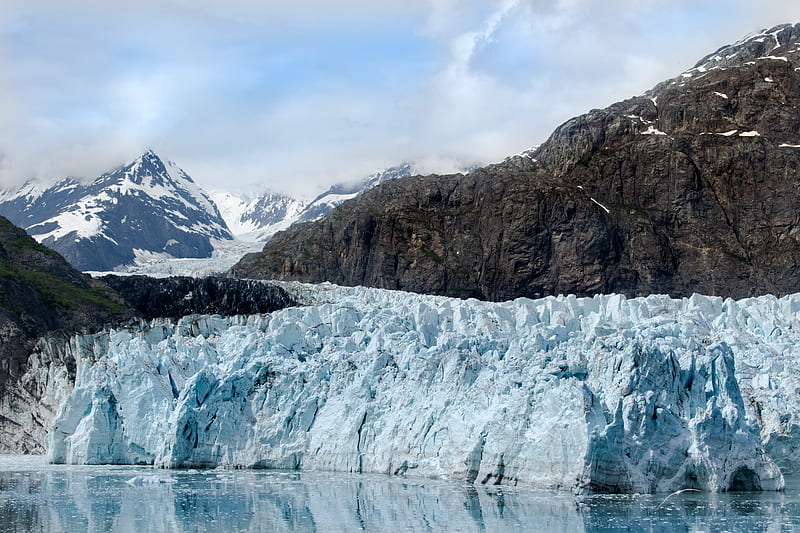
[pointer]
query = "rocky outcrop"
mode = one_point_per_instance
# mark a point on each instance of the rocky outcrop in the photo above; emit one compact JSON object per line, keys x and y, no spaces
{"x":180,"y":296}
{"x":43,"y":301}
{"x":689,"y":188}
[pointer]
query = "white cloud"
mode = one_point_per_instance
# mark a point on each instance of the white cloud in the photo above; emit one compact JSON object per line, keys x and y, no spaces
{"x":249,"y":92}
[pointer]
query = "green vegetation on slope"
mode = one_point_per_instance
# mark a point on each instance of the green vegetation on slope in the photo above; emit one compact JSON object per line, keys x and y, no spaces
{"x":34,"y":258}
{"x":58,"y":291}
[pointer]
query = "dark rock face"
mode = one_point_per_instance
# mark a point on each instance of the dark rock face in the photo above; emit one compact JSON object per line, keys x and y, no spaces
{"x":43,"y":301}
{"x":434,"y":237}
{"x":180,"y":296}
{"x":41,"y":293}
{"x":689,"y":188}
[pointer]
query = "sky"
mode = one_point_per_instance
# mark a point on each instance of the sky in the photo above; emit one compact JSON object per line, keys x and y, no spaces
{"x":253,"y":95}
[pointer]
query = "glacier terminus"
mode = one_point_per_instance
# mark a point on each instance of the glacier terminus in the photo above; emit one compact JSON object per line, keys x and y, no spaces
{"x":601,"y":394}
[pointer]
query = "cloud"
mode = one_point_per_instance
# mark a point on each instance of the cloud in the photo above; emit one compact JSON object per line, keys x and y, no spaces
{"x":530,"y":65}
{"x":294,"y":96}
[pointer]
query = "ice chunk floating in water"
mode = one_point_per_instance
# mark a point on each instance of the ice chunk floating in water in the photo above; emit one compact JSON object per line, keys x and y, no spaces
{"x":600,"y":394}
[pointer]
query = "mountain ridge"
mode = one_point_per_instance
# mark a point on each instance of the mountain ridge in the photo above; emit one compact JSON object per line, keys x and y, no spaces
{"x":666,"y":192}
{"x":261,"y":216}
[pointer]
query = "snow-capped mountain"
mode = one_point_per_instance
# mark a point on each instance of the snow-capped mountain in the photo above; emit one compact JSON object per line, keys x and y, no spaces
{"x":325,"y":202}
{"x":258,"y":218}
{"x":148,"y":207}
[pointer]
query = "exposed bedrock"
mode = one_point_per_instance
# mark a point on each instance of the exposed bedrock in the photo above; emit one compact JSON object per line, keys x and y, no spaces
{"x":178,"y":296}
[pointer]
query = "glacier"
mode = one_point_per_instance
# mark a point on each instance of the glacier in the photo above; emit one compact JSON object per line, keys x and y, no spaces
{"x":601,"y":394}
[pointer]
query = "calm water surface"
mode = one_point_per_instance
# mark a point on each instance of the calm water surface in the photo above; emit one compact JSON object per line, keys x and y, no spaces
{"x":38,"y":497}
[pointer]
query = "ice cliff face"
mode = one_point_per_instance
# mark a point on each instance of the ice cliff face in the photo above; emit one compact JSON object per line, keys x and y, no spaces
{"x":43,"y":302}
{"x":595,"y":394}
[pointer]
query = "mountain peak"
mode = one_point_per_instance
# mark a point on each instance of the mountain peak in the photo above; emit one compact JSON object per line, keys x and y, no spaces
{"x":779,"y":42}
{"x":149,"y":154}
{"x":145,"y":207}
{"x":151,"y":161}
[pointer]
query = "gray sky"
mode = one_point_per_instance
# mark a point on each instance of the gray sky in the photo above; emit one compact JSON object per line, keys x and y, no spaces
{"x":293,"y":96}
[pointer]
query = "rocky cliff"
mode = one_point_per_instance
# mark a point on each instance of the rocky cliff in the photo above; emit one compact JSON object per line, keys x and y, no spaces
{"x":43,"y":301}
{"x":688,"y":188}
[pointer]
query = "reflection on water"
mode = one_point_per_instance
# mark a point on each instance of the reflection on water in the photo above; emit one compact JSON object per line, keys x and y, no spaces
{"x":39,"y":497}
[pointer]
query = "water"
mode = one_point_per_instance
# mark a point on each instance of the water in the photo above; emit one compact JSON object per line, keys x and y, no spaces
{"x":38,"y":497}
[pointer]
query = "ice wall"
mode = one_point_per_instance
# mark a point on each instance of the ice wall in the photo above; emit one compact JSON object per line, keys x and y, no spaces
{"x":595,"y":394}
{"x":29,"y":403}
